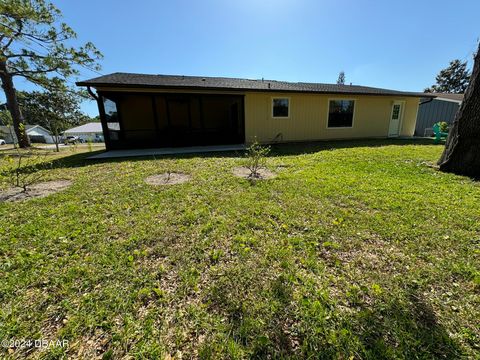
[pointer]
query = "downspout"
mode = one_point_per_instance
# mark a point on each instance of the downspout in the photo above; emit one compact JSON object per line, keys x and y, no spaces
{"x":426,"y":102}
{"x":421,"y":103}
{"x":92,"y":94}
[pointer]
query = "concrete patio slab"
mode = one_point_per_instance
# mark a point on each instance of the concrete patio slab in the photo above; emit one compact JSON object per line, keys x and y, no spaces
{"x":165,"y":151}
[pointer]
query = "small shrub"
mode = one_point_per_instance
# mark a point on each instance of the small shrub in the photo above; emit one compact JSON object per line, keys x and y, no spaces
{"x":443,"y":126}
{"x":24,"y":169}
{"x":90,"y":144}
{"x":256,"y":158}
{"x":73,"y":147}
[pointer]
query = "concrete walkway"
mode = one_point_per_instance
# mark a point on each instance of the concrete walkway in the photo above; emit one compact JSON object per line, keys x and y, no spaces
{"x":62,"y":145}
{"x":165,"y":151}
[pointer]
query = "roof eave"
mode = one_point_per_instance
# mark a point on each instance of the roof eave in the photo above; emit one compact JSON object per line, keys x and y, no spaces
{"x":209,"y":88}
{"x":448,"y":100}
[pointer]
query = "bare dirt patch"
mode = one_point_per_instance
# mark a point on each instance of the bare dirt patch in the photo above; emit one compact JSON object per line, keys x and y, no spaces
{"x":243,"y":172}
{"x":168,"y":179}
{"x":34,"y":191}
{"x":282,"y":167}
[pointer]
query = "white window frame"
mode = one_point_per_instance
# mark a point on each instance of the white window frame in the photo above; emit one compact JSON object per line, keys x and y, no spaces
{"x":353,"y":115}
{"x":289,"y":106}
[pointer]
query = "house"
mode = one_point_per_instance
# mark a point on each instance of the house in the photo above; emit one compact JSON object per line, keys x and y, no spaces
{"x":36,"y":134}
{"x":91,"y":131}
{"x":139,"y":110}
{"x":433,"y":110}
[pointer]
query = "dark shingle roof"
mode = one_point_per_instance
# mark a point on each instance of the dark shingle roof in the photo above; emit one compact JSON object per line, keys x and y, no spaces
{"x":221,"y":83}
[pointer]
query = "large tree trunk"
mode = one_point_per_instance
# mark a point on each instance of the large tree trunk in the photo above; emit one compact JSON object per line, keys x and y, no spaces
{"x":462,"y":150}
{"x":13,"y":107}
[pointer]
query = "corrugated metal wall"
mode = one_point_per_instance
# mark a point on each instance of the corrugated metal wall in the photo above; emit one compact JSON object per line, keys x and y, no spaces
{"x":433,"y":112}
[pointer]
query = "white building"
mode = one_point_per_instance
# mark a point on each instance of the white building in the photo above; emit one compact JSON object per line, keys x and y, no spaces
{"x":88,"y":132}
{"x":36,"y":133}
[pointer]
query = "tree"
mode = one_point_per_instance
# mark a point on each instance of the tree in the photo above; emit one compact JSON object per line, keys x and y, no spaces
{"x":341,"y":78}
{"x":462,"y":149}
{"x":56,"y":109}
{"x":34,"y":46}
{"x":453,"y":79}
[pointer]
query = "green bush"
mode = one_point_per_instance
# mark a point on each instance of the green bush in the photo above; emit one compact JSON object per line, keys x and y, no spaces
{"x":443,"y":126}
{"x":256,"y":158}
{"x":24,"y":169}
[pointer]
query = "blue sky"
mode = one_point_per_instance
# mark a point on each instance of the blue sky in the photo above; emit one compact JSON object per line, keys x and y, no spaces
{"x":398,"y":45}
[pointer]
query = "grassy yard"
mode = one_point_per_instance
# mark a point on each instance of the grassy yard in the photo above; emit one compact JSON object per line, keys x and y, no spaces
{"x":356,"y":250}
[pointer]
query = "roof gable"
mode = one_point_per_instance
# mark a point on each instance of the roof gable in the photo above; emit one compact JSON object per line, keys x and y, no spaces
{"x":27,"y":128}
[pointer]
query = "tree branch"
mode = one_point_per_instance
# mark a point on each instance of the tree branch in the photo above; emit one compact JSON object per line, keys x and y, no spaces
{"x":36,"y":56}
{"x":18,"y":72}
{"x":18,"y":32}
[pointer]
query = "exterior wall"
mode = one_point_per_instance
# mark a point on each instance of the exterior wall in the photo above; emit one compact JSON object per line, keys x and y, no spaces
{"x":10,"y":137}
{"x":40,"y":132}
{"x":433,"y":112}
{"x":309,"y":114}
{"x":7,"y":136}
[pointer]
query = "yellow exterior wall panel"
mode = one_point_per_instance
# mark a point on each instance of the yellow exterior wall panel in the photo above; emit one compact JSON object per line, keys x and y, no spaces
{"x":309,"y":113}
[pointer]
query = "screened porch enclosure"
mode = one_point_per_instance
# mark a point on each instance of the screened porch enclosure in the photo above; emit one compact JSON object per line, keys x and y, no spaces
{"x":134,"y":120}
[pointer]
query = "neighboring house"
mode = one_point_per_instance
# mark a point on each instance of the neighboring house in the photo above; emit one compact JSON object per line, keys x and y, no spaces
{"x":88,"y":132}
{"x":36,"y":133}
{"x":433,"y":110}
{"x":163,"y":111}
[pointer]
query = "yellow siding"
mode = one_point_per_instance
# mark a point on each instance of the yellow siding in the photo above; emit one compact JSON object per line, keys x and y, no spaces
{"x":410,"y":118}
{"x":308,"y":117}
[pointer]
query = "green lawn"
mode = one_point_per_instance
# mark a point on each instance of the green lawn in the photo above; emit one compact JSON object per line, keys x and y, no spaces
{"x":357,"y":250}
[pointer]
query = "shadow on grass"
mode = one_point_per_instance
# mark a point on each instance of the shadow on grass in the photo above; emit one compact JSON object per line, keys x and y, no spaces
{"x":289,"y":149}
{"x":404,"y":328}
{"x":266,"y":322}
{"x":312,"y":147}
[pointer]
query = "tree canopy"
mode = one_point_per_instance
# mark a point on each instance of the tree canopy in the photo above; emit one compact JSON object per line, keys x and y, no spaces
{"x":61,"y":105}
{"x":341,"y":78}
{"x":453,"y":79}
{"x":33,"y":42}
{"x":56,"y":110}
{"x":36,"y":45}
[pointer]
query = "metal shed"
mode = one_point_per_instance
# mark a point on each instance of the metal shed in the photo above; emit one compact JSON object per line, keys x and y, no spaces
{"x":442,"y":108}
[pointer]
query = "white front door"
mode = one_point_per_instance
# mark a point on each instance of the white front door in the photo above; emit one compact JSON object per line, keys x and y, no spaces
{"x":396,"y":119}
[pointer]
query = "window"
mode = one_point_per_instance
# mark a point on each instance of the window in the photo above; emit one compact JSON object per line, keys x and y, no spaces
{"x":396,"y":112}
{"x":340,"y":113}
{"x":280,"y":107}
{"x":111,"y":117}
